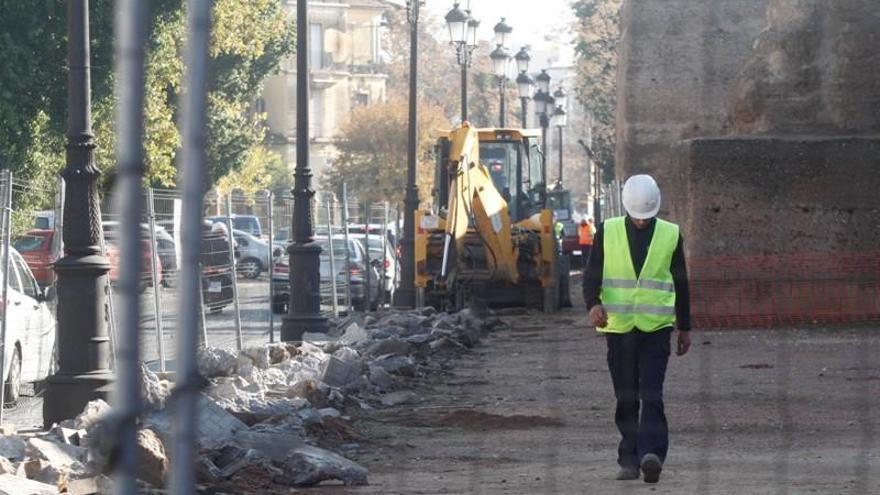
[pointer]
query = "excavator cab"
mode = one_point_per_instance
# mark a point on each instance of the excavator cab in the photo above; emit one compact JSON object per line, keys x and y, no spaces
{"x":515,"y":164}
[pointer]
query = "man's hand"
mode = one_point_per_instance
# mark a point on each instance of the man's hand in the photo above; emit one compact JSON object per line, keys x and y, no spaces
{"x":684,"y":343}
{"x":598,"y":316}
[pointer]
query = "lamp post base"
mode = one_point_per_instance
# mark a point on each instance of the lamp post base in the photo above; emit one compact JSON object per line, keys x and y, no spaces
{"x":294,"y":327}
{"x":66,"y":395}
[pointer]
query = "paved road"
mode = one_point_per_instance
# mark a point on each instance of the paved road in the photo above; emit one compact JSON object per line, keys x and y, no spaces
{"x":254,"y":304}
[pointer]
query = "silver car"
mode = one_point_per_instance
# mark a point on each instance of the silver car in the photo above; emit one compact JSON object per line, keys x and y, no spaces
{"x":252,"y":254}
{"x":382,"y":253}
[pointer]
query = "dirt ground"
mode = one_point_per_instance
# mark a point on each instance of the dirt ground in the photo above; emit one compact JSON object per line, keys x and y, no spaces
{"x":530,"y":411}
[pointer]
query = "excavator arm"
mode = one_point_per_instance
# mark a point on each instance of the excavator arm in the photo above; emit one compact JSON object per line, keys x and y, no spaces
{"x":475,"y":203}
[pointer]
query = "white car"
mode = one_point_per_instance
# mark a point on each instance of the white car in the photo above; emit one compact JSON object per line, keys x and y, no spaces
{"x":30,"y":330}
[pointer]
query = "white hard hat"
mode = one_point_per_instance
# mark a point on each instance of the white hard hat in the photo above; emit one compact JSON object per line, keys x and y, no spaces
{"x":641,"y":197}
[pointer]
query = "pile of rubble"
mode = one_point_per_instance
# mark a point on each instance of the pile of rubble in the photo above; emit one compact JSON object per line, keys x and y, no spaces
{"x":270,"y":417}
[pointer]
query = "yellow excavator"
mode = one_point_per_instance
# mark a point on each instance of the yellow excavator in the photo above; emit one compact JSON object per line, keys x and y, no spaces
{"x":489,"y":238}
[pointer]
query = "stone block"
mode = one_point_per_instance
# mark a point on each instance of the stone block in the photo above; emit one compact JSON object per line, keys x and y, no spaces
{"x":152,"y":459}
{"x":309,"y":466}
{"x":14,"y":485}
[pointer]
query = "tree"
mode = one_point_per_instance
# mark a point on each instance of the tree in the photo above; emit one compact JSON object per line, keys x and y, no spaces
{"x":373,"y":151}
{"x":248,"y":41}
{"x":598,"y":35}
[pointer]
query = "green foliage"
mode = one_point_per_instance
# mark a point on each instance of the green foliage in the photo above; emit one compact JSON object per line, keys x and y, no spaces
{"x":598,"y":34}
{"x":249,"y":40}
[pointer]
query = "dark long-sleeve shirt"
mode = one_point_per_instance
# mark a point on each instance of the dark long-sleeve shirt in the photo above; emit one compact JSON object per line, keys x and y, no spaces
{"x":639,"y":241}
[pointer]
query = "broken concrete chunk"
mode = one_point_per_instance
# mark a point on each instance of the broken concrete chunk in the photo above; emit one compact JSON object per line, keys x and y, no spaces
{"x":329,"y":412}
{"x":259,"y":355}
{"x":85,"y":486}
{"x":153,"y":390}
{"x":310,"y":391}
{"x":354,"y":334}
{"x":380,"y":378}
{"x":397,"y":365}
{"x":12,"y":448}
{"x":6,"y":467}
{"x":308,"y":466}
{"x":278,"y":353}
{"x":44,"y":472}
{"x":57,"y":454}
{"x":399,"y":398}
{"x":69,"y":436}
{"x":343,"y":367}
{"x":214,"y":362}
{"x":391,"y":345}
{"x":273,"y":445}
{"x":152,"y":460}
{"x":7,"y":429}
{"x":13,"y":485}
{"x":94,"y":412}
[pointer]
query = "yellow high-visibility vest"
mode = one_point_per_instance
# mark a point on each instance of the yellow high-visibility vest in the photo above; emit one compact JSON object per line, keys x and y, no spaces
{"x":646,"y":302}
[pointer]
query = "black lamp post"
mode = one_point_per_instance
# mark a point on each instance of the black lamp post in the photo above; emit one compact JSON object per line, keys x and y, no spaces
{"x":543,"y":105}
{"x":501,"y":60}
{"x":404,"y":296}
{"x":83,"y":340}
{"x":560,"y":120}
{"x":524,"y":82}
{"x":304,"y":314}
{"x":463,"y":35}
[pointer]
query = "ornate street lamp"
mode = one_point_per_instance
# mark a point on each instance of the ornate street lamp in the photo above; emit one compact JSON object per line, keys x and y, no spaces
{"x":543,"y":80}
{"x":500,"y":62}
{"x":304,"y":314}
{"x":524,"y":84}
{"x":463,"y":36}
{"x":83,"y":339}
{"x":404,"y":296}
{"x":559,"y":120}
{"x":544,"y":105}
{"x":502,"y":31}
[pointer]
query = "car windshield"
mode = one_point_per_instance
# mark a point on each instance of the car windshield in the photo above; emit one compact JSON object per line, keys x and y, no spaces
{"x":247,"y":224}
{"x":339,"y":251}
{"x":28,"y":243}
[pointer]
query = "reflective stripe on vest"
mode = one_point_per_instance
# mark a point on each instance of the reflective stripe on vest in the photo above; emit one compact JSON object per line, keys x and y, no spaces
{"x":646,"y":302}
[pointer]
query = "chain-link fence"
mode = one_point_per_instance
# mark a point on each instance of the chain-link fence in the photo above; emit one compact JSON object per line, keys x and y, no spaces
{"x":245,"y":276}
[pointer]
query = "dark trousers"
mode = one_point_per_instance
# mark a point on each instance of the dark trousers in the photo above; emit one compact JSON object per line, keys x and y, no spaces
{"x":585,"y":254}
{"x":637,"y":361}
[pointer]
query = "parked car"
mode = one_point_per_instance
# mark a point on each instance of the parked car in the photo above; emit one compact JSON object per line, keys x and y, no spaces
{"x":146,"y":258}
{"x":355,"y":267}
{"x":386,"y":257}
{"x":252,"y":254}
{"x":40,"y":249}
{"x":245,"y":223}
{"x":29,"y":350}
{"x":216,"y":270}
{"x":166,"y":248}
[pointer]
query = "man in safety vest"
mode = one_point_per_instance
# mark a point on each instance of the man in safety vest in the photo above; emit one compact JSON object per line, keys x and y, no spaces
{"x":636,"y":291}
{"x":585,"y":239}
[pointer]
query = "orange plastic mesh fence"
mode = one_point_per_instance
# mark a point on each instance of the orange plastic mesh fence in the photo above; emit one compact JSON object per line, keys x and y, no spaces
{"x":783,"y":290}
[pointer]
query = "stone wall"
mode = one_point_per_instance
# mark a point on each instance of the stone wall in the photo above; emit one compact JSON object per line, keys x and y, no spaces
{"x":760,"y":120}
{"x":679,"y":59}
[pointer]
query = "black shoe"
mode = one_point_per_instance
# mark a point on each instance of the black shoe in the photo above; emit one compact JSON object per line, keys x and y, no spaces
{"x":651,"y":467}
{"x":627,"y":473}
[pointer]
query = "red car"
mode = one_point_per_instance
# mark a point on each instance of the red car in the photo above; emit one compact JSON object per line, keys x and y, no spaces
{"x":146,"y":254}
{"x":39,"y":252}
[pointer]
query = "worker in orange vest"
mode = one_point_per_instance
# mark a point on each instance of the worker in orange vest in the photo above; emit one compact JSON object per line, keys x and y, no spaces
{"x":585,"y":239}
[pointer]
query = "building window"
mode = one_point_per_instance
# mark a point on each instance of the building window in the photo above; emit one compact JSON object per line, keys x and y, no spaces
{"x":362,"y":99}
{"x":316,"y":120}
{"x":316,"y":46}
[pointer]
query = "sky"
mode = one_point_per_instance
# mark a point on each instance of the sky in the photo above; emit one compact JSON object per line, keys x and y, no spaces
{"x":532,"y":21}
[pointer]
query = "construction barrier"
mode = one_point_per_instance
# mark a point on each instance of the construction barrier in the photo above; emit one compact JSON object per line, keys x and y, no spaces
{"x":759,"y":291}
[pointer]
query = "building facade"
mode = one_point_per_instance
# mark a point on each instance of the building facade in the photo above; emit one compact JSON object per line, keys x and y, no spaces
{"x":345,"y":61}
